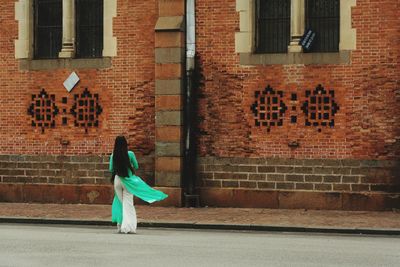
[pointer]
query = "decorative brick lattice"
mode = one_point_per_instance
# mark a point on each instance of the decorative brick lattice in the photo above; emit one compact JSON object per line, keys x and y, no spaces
{"x":268,"y":109}
{"x":320,"y":108}
{"x":43,"y":110}
{"x":86,"y":110}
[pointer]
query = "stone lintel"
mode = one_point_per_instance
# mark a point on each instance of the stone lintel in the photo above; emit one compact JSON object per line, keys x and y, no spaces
{"x":65,"y":63}
{"x":342,"y":57}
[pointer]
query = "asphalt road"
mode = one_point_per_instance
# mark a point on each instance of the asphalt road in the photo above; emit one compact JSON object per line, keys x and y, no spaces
{"x":37,"y":245}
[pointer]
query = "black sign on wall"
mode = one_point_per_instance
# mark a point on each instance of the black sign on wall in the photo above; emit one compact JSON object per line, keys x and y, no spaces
{"x":308,"y":39}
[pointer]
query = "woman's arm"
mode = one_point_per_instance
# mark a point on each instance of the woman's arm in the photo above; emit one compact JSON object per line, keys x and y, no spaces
{"x":132,"y":159}
{"x":111,"y":167}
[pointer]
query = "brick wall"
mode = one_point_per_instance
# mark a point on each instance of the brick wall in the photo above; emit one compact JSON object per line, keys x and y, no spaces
{"x":125,"y":90}
{"x":366,"y":91}
{"x":60,"y":169}
{"x":296,"y":174}
{"x":235,"y":152}
{"x":62,"y":179}
{"x":351,"y":164}
{"x":40,"y":159}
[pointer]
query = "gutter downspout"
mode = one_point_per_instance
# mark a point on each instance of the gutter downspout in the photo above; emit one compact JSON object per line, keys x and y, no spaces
{"x":191,"y":198}
{"x":190,"y":34}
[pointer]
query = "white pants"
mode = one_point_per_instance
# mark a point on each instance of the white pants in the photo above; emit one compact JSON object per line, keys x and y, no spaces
{"x":129,"y":221}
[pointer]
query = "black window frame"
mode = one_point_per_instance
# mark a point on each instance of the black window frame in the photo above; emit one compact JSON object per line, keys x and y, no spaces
{"x":325,"y":22}
{"x":89,"y":29}
{"x":270,"y":39}
{"x":47,"y":48}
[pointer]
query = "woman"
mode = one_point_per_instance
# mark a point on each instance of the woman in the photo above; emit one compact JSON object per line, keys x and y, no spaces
{"x":126,"y":185}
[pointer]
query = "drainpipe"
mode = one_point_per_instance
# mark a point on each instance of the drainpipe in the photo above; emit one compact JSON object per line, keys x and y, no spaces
{"x":191,"y":198}
{"x":190,"y":34}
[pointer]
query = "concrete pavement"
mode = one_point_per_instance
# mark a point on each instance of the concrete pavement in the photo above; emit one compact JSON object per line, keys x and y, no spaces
{"x":324,"y":221}
{"x":44,"y":245}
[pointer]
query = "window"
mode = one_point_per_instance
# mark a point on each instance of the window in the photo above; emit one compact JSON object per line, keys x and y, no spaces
{"x":273,"y":26}
{"x":77,"y":33}
{"x":258,"y":43}
{"x":89,"y":28}
{"x":49,"y":32}
{"x":322,"y":16}
{"x":48,"y":28}
{"x":273,"y":32}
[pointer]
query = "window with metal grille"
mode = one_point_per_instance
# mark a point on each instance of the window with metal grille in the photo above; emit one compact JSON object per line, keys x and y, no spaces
{"x":323,"y":17}
{"x":47,"y":28}
{"x":89,"y":28}
{"x":273,"y":26}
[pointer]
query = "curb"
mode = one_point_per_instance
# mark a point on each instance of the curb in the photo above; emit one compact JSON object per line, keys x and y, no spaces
{"x":203,"y":226}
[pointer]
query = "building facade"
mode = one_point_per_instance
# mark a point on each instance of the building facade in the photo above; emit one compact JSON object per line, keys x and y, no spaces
{"x":293,"y":104}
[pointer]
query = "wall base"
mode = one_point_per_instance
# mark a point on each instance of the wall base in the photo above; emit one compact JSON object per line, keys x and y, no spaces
{"x":299,"y":199}
{"x":74,"y":194}
{"x":239,"y":198}
{"x":56,"y":193}
{"x":174,"y":198}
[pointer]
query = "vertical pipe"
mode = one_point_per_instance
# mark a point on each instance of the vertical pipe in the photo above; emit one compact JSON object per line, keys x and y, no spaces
{"x":190,"y":113}
{"x":190,"y":34}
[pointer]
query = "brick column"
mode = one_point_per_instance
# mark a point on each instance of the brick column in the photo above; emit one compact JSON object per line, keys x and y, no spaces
{"x":169,"y":76}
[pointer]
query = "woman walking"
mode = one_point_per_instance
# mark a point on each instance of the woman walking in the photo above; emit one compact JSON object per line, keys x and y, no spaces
{"x":123,"y":164}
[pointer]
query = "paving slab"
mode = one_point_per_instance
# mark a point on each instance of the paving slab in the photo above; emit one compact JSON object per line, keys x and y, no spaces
{"x":368,"y":222}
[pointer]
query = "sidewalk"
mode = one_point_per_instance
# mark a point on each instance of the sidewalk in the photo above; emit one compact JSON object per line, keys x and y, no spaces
{"x":360,"y":222}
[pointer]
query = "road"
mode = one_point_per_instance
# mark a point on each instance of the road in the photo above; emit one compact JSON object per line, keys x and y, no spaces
{"x":39,"y":245}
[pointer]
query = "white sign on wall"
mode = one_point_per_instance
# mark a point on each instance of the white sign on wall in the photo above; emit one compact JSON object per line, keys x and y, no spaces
{"x":71,"y":81}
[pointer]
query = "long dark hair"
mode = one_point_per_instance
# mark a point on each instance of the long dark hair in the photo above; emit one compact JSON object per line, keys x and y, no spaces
{"x":121,"y":162}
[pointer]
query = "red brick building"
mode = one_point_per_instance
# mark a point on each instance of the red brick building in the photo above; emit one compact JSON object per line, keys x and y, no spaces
{"x":282,"y":119}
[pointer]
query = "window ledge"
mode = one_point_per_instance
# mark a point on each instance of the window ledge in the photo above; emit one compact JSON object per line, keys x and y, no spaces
{"x":65,"y":63}
{"x":342,"y":57}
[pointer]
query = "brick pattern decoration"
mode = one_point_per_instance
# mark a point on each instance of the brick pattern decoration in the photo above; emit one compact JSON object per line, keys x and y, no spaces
{"x":320,"y":108}
{"x":268,"y":108}
{"x":300,"y":175}
{"x":86,"y":110}
{"x":43,"y":110}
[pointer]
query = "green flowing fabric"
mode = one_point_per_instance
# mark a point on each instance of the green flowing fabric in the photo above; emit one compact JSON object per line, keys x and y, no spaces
{"x":136,"y":186}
